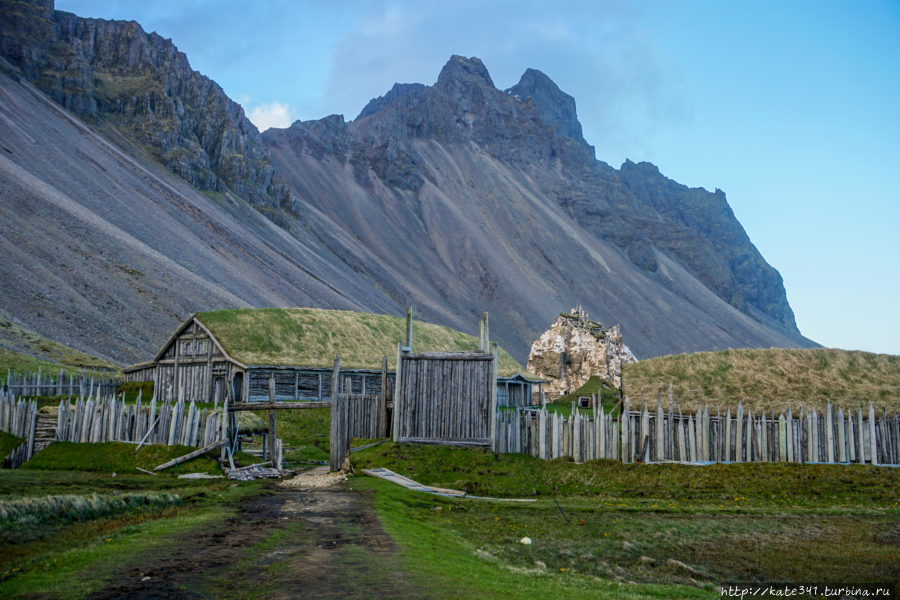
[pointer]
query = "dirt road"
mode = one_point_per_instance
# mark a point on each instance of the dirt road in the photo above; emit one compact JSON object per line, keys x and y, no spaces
{"x":287,"y":543}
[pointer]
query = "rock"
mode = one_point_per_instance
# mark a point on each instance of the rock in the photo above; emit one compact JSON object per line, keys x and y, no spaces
{"x":683,"y":567}
{"x":540,"y":565}
{"x":526,"y":541}
{"x":575,"y":349}
{"x":115,"y":72}
{"x":646,"y":560}
{"x":627,"y":546}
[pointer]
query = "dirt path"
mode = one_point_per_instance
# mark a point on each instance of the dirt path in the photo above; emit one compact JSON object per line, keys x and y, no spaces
{"x":286,"y":543}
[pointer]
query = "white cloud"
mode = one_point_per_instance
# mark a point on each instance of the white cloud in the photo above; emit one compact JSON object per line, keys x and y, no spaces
{"x":274,"y":114}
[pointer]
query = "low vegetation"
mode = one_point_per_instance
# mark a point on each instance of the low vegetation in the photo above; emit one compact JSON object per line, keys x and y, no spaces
{"x":8,"y":443}
{"x":24,"y":350}
{"x":603,"y":522}
{"x":768,"y":379}
{"x":117,"y":457}
{"x":312,"y":337}
{"x":28,"y":516}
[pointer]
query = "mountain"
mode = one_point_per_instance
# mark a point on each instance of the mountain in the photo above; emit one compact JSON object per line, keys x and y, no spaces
{"x":141,"y":193}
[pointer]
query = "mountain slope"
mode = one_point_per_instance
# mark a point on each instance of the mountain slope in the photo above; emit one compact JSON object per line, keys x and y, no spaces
{"x":108,"y":252}
{"x":477,"y":200}
{"x":456,"y":198}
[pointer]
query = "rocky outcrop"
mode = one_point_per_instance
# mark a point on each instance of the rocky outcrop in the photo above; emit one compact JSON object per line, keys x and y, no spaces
{"x":575,"y":349}
{"x":556,"y":107}
{"x":113,"y":72}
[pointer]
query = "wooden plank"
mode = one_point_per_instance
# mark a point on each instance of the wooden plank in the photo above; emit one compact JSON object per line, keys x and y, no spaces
{"x":190,"y":455}
{"x":241,"y":406}
{"x":493,"y":383}
{"x":273,"y":425}
{"x":382,"y":405}
{"x":873,"y":447}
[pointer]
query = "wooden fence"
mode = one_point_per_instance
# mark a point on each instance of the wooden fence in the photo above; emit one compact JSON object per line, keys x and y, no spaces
{"x":835,"y":436}
{"x":354,"y":416}
{"x":108,"y":420}
{"x":445,"y":397}
{"x":18,"y":417}
{"x":61,"y":384}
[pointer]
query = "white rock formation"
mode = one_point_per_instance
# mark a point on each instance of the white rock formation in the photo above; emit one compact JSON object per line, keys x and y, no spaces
{"x":575,"y":349}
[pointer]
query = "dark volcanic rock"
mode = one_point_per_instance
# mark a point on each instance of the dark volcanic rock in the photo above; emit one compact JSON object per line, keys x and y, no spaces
{"x":554,"y":105}
{"x":115,"y":72}
{"x":443,"y":165}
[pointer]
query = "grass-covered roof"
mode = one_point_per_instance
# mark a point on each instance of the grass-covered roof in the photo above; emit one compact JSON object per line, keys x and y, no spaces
{"x":311,"y":337}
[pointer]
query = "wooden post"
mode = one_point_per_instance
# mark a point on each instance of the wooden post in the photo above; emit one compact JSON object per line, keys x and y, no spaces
{"x":873,"y":448}
{"x":493,"y":384}
{"x":273,"y":446}
{"x":382,"y":408}
{"x":409,"y":333}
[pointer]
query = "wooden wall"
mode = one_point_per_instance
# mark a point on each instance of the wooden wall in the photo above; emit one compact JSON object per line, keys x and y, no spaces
{"x":190,"y":365}
{"x":445,"y":398}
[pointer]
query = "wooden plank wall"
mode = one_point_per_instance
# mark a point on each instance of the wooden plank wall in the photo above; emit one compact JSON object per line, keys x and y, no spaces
{"x":835,"y":436}
{"x":58,"y":384}
{"x":445,"y":398}
{"x":354,"y":416}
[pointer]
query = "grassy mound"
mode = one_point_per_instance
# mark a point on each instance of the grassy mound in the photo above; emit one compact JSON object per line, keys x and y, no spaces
{"x":769,"y":378}
{"x":117,"y":457}
{"x":312,"y":337}
{"x":8,"y":443}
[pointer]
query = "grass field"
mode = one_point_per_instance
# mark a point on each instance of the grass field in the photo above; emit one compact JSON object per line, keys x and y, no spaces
{"x":597,"y":530}
{"x":650,"y":524}
{"x":767,"y":379}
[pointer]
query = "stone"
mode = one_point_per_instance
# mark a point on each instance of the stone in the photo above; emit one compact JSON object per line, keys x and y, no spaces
{"x":575,"y":349}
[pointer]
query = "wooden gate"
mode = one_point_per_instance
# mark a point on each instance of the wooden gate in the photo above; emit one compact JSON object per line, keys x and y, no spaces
{"x":446,"y":398}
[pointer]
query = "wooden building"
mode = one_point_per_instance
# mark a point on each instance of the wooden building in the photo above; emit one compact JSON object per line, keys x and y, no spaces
{"x":240,"y":350}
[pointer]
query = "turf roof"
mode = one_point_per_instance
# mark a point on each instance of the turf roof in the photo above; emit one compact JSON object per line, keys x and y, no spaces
{"x":313,"y":336}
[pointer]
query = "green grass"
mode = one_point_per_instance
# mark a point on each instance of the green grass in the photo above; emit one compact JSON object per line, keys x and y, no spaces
{"x":118,"y":457}
{"x":24,"y":350}
{"x":31,"y":517}
{"x":650,"y":524}
{"x":133,"y":388}
{"x":445,"y":555}
{"x":305,"y":434}
{"x":609,"y":396}
{"x":312,"y":337}
{"x":722,"y":487}
{"x":8,"y":443}
{"x":768,"y":379}
{"x":75,"y":559}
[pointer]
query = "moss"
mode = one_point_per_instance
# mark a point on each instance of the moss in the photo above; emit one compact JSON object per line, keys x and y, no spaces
{"x":312,"y":337}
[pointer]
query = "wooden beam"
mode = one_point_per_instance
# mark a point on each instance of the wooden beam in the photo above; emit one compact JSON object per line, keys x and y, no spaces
{"x":272,"y":421}
{"x":190,"y":455}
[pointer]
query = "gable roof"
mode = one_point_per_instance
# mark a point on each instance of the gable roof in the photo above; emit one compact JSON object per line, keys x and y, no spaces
{"x":311,"y":337}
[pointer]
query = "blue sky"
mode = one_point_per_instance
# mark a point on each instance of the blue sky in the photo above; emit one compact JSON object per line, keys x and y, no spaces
{"x":792,"y":108}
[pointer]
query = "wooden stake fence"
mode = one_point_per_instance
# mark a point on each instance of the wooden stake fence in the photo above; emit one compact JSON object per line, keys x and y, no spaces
{"x":18,"y":417}
{"x":91,"y":420}
{"x":60,"y":384}
{"x":859,"y":436}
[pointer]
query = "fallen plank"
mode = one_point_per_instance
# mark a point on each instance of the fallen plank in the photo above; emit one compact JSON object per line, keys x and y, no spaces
{"x":146,"y":471}
{"x":190,"y":455}
{"x":408,"y":483}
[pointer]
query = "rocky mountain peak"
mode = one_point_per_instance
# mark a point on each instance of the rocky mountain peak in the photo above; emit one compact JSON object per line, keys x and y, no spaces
{"x":115,"y":73}
{"x":462,"y":71}
{"x":555,"y":107}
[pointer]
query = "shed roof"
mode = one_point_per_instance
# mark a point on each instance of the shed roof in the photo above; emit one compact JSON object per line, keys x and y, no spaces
{"x":311,"y":337}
